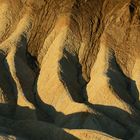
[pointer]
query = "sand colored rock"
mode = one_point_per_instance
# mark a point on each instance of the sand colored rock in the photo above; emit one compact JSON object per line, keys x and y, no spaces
{"x":69,"y":69}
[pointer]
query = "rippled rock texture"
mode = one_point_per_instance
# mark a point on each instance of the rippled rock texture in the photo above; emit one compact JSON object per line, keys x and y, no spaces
{"x":69,"y":69}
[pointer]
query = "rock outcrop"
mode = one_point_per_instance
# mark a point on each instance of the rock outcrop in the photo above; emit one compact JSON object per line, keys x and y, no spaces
{"x":69,"y":69}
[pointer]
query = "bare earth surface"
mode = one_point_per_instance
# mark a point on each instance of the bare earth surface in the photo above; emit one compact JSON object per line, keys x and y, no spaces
{"x":69,"y":69}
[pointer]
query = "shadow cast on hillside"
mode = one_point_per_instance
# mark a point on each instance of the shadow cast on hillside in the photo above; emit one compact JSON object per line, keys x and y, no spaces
{"x":124,"y":87}
{"x":28,"y":128}
{"x":71,"y":76}
{"x":8,"y":90}
{"x":24,"y":70}
{"x":105,"y":116}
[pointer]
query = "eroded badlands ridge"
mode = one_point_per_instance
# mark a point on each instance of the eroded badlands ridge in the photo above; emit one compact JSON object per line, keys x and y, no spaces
{"x":70,"y":69}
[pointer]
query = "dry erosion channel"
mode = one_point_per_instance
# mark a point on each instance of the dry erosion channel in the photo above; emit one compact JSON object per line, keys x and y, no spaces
{"x":69,"y":69}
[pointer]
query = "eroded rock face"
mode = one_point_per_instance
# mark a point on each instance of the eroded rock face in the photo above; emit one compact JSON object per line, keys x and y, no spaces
{"x":69,"y":69}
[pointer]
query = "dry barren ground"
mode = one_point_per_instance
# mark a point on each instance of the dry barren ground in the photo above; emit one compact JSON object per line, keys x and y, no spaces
{"x":69,"y":69}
